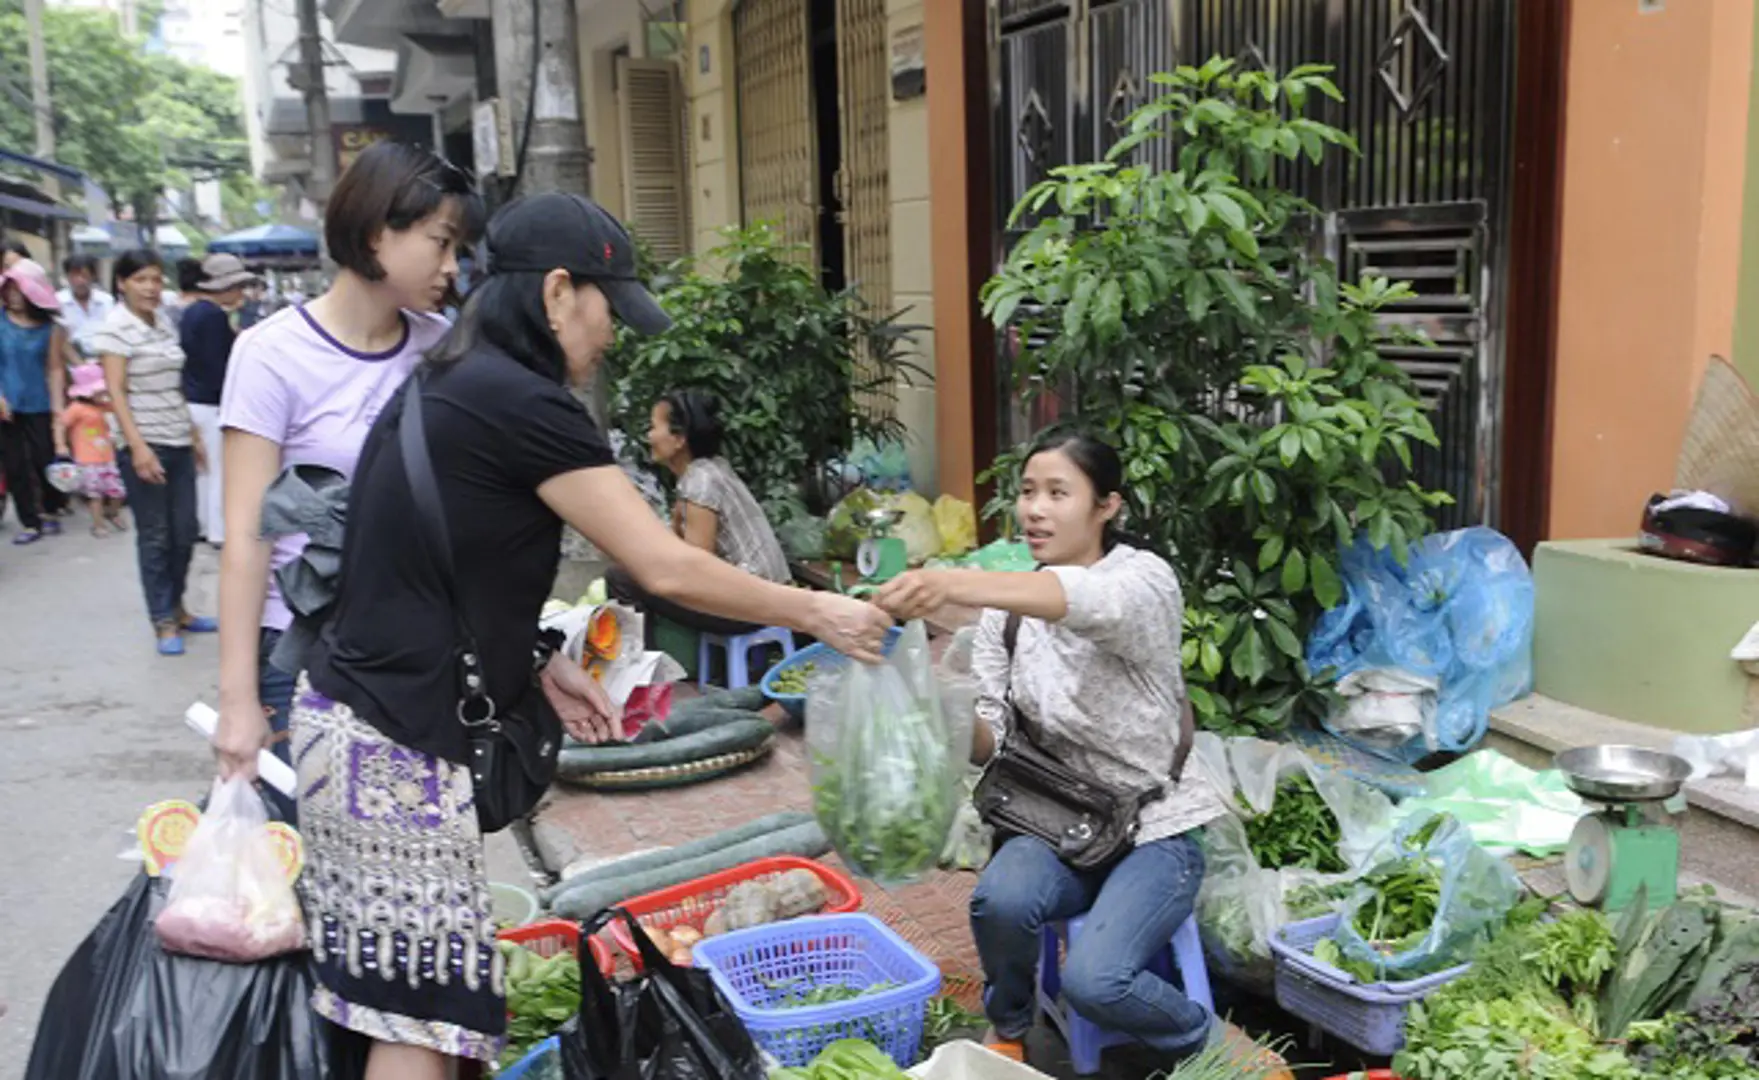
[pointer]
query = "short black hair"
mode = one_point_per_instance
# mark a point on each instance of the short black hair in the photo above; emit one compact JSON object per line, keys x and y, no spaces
{"x":16,"y":247}
{"x":130,"y":263}
{"x":393,"y":185}
{"x":695,"y":417}
{"x":88,"y":263}
{"x":189,"y":274}
{"x":506,"y":311}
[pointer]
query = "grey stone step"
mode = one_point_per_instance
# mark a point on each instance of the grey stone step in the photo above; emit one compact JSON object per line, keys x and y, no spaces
{"x":1719,"y":834}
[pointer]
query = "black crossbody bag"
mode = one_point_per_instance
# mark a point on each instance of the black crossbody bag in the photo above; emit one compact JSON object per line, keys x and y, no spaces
{"x":1089,"y":823}
{"x":512,"y":752}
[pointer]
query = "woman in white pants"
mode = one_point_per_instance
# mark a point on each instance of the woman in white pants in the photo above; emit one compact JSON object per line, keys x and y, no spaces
{"x":207,"y":336}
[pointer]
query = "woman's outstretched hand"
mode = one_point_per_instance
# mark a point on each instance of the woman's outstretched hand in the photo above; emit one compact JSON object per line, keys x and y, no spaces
{"x":852,"y":627}
{"x":580,"y":701}
{"x":914,"y":594}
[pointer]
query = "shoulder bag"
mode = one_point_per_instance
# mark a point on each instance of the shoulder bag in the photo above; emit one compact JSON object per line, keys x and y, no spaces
{"x":512,"y":752}
{"x":1089,"y":823}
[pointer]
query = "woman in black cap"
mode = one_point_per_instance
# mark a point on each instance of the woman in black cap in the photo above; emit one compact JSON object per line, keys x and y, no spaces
{"x":396,"y":900}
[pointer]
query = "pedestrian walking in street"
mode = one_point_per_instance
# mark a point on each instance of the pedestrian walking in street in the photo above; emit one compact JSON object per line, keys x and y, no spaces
{"x":394,"y":873}
{"x":32,"y":387}
{"x":162,"y":452}
{"x":87,"y":430}
{"x":84,"y":306}
{"x":305,"y":385}
{"x":205,"y":332}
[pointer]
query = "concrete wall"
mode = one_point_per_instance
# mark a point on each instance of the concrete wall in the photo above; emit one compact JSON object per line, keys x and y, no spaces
{"x":912,"y":251}
{"x":1746,"y":346}
{"x":1642,"y":638}
{"x":1654,"y":163}
{"x":604,"y":27}
{"x":713,"y":93}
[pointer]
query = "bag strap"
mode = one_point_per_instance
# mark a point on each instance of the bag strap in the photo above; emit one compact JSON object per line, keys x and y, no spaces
{"x":475,"y":707}
{"x":1187,"y":720}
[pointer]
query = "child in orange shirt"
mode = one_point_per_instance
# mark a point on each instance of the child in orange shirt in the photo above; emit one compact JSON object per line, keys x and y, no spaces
{"x":87,"y":428}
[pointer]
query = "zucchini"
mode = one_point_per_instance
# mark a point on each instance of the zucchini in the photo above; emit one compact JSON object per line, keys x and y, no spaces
{"x":683,"y":722}
{"x":653,"y":860}
{"x":587,"y":898}
{"x":579,"y":762}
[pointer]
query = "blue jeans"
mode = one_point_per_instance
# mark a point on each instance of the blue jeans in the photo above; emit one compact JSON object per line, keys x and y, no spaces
{"x":1132,"y":910}
{"x":275,"y":692}
{"x":165,"y":529}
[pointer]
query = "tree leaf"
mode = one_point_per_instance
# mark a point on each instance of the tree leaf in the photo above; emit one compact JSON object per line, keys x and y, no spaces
{"x":1294,"y":572}
{"x":1283,"y":638}
{"x":1210,"y":659}
{"x":1270,"y":552}
{"x":1290,"y":446}
{"x":1250,"y":660}
{"x":1263,"y":487}
{"x":1327,"y":589}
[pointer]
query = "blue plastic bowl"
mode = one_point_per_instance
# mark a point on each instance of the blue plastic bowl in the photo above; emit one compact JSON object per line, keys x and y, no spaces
{"x":821,"y":655}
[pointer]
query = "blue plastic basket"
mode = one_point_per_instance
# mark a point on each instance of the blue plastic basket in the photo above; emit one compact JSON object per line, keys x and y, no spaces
{"x":758,"y":967}
{"x":1370,"y":1017}
{"x":544,"y":1062}
{"x":822,"y":656}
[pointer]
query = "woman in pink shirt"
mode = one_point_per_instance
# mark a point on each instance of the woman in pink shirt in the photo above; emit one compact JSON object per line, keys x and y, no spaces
{"x":305,"y":385}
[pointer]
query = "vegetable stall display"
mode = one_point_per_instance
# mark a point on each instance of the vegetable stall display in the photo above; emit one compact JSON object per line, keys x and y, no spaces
{"x":1668,"y":996}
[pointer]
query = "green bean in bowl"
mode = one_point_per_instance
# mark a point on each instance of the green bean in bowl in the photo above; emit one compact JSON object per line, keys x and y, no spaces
{"x":792,"y":680}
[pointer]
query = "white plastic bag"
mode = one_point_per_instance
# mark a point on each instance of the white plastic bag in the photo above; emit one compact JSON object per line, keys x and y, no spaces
{"x":230,"y":894}
{"x":1241,"y":903}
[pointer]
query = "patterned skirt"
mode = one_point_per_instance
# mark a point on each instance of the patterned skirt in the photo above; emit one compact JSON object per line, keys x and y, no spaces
{"x":395,"y":894}
{"x":101,"y":481}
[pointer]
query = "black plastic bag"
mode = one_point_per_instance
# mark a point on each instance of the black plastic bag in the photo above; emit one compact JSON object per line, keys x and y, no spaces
{"x":670,"y":1023}
{"x":123,"y":1009}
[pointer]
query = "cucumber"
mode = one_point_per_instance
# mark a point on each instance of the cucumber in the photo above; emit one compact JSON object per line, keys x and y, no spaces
{"x":580,"y":762}
{"x":691,"y":721}
{"x":653,"y":860}
{"x":588,"y":898}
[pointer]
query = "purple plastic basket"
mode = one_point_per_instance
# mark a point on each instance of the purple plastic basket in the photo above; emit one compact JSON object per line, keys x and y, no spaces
{"x":758,"y":967}
{"x":1370,"y":1017}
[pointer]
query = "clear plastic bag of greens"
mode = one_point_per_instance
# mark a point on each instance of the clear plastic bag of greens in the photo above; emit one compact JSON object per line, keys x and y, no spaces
{"x":1244,"y":901}
{"x":885,"y":773}
{"x":1429,"y":898}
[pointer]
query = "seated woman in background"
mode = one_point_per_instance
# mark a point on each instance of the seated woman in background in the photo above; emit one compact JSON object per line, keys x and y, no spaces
{"x":714,"y":510}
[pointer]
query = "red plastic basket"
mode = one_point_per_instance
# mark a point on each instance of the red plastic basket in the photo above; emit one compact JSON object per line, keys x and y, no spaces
{"x":551,"y":936}
{"x":691,"y":903}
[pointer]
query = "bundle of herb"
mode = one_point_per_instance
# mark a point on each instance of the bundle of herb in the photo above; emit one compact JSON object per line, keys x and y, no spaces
{"x":1299,"y":829}
{"x":543,"y":993}
{"x":1718,"y":1040}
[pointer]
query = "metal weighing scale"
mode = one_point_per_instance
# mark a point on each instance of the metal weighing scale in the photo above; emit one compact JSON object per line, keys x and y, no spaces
{"x":880,"y":557}
{"x":1628,"y":844}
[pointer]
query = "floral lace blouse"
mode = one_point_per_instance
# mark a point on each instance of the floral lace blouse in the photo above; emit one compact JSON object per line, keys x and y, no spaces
{"x":1104,"y":685}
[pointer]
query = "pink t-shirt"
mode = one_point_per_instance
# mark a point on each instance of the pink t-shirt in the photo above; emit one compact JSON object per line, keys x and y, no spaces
{"x":292,"y":383}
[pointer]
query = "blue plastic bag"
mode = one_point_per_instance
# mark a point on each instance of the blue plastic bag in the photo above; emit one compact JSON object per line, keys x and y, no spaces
{"x":1460,"y":610}
{"x":1477,"y":892}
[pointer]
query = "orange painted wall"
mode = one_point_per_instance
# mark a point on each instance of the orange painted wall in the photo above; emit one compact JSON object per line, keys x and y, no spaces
{"x":1654,"y":161}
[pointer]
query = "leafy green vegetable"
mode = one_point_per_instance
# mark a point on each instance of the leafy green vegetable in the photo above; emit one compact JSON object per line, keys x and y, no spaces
{"x":798,"y":995}
{"x":846,"y":1059}
{"x":1718,"y":1040}
{"x":945,"y":1019}
{"x":1659,"y":963}
{"x":1532,"y":1036}
{"x":883,"y":801}
{"x":1299,"y":829}
{"x":1225,"y":1060}
{"x":542,"y":994}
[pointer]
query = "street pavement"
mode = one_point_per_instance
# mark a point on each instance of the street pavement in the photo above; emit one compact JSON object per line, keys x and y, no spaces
{"x":91,"y":732}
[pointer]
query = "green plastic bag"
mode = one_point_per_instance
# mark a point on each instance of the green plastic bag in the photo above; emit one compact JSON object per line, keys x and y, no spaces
{"x":1507,"y":806}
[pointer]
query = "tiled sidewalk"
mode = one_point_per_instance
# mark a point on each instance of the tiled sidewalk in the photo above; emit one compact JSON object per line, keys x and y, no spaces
{"x":931,"y":915}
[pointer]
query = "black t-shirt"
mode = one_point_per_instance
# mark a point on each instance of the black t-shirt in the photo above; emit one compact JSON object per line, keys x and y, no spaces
{"x":496,"y":430}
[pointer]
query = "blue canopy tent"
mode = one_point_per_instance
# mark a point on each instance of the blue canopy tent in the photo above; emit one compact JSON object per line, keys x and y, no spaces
{"x":269,"y":245}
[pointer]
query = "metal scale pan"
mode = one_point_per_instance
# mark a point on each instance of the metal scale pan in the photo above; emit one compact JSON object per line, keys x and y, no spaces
{"x":1613,"y":852}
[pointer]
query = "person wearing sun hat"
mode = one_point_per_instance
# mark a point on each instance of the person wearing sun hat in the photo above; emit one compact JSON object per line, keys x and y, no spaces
{"x":32,"y":395}
{"x":206,"y":333}
{"x":88,"y":424}
{"x":514,"y":456}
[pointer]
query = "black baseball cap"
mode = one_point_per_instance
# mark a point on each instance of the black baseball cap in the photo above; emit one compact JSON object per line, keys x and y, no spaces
{"x":558,"y":230}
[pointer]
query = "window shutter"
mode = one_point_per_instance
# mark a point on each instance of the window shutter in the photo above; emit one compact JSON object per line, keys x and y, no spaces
{"x":656,"y":195}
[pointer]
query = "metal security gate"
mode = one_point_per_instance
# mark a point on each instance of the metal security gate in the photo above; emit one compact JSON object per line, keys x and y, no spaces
{"x":1428,"y":96}
{"x":778,"y":151}
{"x":864,"y":190}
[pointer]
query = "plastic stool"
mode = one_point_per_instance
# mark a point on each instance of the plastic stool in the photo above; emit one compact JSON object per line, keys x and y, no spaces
{"x":1086,"y":1039}
{"x":738,"y":648}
